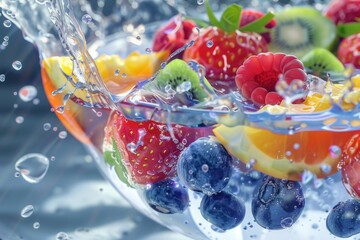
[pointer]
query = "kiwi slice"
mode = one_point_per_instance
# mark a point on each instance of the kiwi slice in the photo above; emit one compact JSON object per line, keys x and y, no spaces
{"x":320,"y":62}
{"x":184,"y":80}
{"x":301,"y":29}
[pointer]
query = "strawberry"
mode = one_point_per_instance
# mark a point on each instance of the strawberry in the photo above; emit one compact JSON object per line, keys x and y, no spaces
{"x":222,"y":48}
{"x":349,"y":50}
{"x":343,"y":11}
{"x":173,"y":35}
{"x":350,"y":166}
{"x":149,"y":152}
{"x":250,"y":15}
{"x":258,"y":76}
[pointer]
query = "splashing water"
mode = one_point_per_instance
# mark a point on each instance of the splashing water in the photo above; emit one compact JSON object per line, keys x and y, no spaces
{"x":32,"y":167}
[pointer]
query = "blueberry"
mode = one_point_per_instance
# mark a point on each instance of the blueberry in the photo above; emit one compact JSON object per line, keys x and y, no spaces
{"x":167,"y":197}
{"x":344,"y":219}
{"x":205,"y":166}
{"x":276,"y":203}
{"x":223,"y":210}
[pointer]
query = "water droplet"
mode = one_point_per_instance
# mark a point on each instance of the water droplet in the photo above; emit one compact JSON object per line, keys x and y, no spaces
{"x":17,"y":174}
{"x":7,"y":23}
{"x":27,"y":93}
{"x":123,"y":75}
{"x":209,"y":43}
{"x":32,"y":167}
{"x":47,"y":126}
{"x":2,"y":77}
{"x":217,"y":229}
{"x":36,"y":101}
{"x":148,"y":50}
{"x":27,"y":211}
{"x":287,"y":222}
{"x":86,"y":19}
{"x":334,"y":151}
{"x":205,"y":168}
{"x":60,"y":109}
{"x":17,"y":65}
{"x":36,"y":225}
{"x":117,"y":71}
{"x":296,"y":146}
{"x":200,"y":2}
{"x":315,"y":226}
{"x":306,"y":177}
{"x":62,"y":134}
{"x":52,"y":158}
{"x":6,"y":38}
{"x":62,"y":236}
{"x":138,"y":37}
{"x":19,"y":120}
{"x":325,"y":168}
{"x":55,"y":129}
{"x":99,"y":114}
{"x":162,"y":65}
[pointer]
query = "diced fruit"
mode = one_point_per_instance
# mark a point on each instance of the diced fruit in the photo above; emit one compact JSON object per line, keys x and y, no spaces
{"x":148,"y":150}
{"x":167,"y":197}
{"x":223,"y":210}
{"x":277,"y":204}
{"x":350,"y":166}
{"x":258,"y":76}
{"x":182,"y":80}
{"x":281,"y":155}
{"x":300,"y":29}
{"x":343,"y":11}
{"x":222,"y":48}
{"x":173,"y":35}
{"x":205,"y":166}
{"x":344,"y":219}
{"x":250,"y":15}
{"x":349,"y":50}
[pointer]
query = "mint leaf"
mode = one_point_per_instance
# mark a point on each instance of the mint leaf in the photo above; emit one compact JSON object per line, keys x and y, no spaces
{"x":258,"y":25}
{"x":114,"y":158}
{"x":212,"y":19}
{"x":348,"y":29}
{"x":230,"y":19}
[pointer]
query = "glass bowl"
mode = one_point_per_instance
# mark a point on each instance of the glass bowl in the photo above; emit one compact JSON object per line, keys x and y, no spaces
{"x":223,"y":168}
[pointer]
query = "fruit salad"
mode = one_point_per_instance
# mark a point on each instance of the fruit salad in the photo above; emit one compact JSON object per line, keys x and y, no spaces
{"x":258,"y":140}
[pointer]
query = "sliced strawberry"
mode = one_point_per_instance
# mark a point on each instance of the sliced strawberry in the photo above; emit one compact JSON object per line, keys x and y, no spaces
{"x":349,"y":51}
{"x":343,"y":11}
{"x":350,"y":166}
{"x":258,"y":75}
{"x":149,"y":152}
{"x":250,"y":15}
{"x":173,"y":35}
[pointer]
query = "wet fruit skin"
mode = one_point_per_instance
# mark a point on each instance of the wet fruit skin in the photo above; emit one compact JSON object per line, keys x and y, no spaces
{"x":349,"y":50}
{"x":343,"y":11}
{"x":205,"y":166}
{"x":344,"y":219}
{"x":167,"y":197}
{"x":350,"y":166}
{"x":222,"y":210}
{"x":276,"y":203}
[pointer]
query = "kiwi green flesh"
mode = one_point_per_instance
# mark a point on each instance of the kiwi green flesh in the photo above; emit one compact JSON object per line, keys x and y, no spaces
{"x":321,"y":61}
{"x":178,"y":71}
{"x":299,"y":30}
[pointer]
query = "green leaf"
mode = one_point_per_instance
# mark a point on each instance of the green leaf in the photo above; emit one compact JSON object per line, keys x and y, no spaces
{"x":258,"y":26}
{"x":345,"y":30}
{"x":114,"y":158}
{"x":230,"y":19}
{"x":212,"y":19}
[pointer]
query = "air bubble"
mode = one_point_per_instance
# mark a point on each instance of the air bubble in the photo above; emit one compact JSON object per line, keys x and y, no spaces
{"x":2,"y":77}
{"x":36,"y":225}
{"x":17,"y":65}
{"x":205,"y":168}
{"x":287,"y":222}
{"x":52,"y":158}
{"x":47,"y":126}
{"x":116,"y":73}
{"x":36,"y":101}
{"x":7,"y":23}
{"x":32,"y":167}
{"x":138,"y":37}
{"x":6,"y":38}
{"x":325,"y":168}
{"x":334,"y":151}
{"x":148,"y":50}
{"x":27,"y":211}
{"x":209,"y":43}
{"x":17,"y":174}
{"x":27,"y":93}
{"x":123,"y":75}
{"x":62,"y":134}
{"x":19,"y":120}
{"x":86,"y":19}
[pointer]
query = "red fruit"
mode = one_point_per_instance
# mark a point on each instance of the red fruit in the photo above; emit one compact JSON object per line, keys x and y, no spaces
{"x":173,"y":35}
{"x":221,"y":53}
{"x":149,"y":153}
{"x":350,"y":166}
{"x":250,"y":15}
{"x":349,"y":50}
{"x":343,"y":11}
{"x":258,"y":75}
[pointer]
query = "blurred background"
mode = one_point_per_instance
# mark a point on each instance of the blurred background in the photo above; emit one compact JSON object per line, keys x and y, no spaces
{"x":72,"y":201}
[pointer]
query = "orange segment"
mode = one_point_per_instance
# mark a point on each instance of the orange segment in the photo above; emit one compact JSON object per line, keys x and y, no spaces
{"x":283,"y":156}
